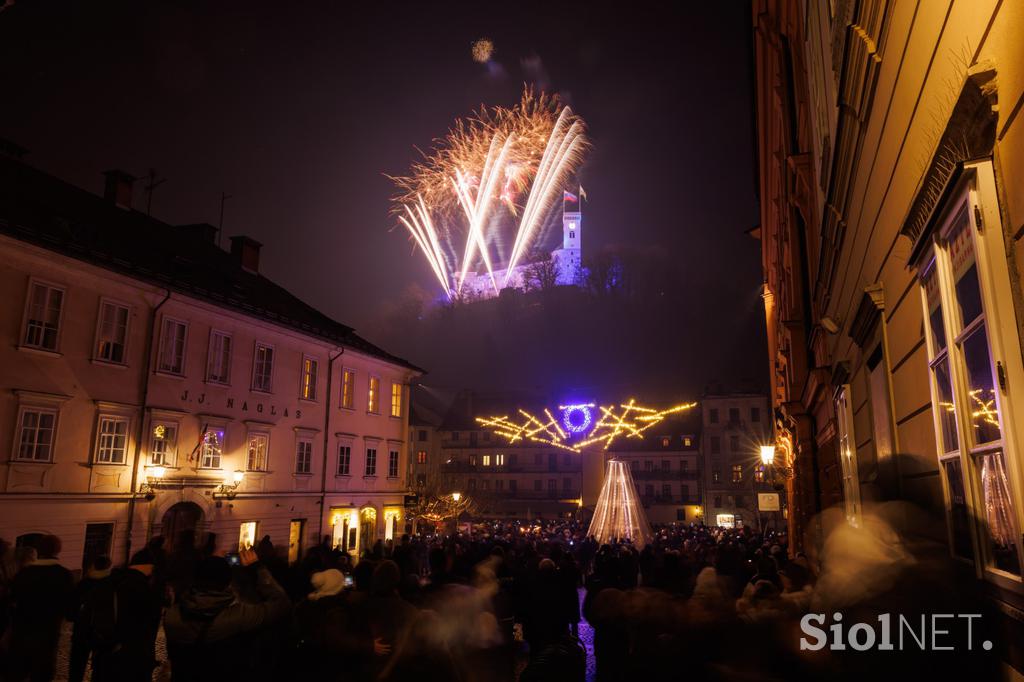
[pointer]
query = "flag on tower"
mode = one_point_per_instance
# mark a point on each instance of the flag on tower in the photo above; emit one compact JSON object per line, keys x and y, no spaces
{"x":583,"y":193}
{"x":569,"y":197}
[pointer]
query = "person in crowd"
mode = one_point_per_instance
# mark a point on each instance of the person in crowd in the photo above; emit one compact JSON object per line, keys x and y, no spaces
{"x":97,"y":579}
{"x":42,"y":596}
{"x":211,"y":633}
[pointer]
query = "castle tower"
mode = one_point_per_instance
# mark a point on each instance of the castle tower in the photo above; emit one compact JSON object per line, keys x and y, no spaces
{"x":569,"y":258}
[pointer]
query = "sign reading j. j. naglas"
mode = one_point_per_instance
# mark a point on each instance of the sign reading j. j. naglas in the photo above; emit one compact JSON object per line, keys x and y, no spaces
{"x":268,"y":409}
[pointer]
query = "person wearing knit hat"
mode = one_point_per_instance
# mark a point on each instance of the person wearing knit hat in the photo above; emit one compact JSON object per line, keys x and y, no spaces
{"x":327,"y":583}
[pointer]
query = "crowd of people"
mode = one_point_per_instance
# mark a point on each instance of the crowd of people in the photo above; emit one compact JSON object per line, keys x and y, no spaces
{"x":495,"y":600}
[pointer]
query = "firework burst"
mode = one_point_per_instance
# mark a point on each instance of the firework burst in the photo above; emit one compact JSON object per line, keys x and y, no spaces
{"x":499,"y":168}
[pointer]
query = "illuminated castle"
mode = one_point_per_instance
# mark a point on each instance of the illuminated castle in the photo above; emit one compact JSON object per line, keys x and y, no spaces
{"x":564,"y":269}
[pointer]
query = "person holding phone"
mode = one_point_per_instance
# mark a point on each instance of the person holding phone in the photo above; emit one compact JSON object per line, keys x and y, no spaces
{"x":210,"y":631}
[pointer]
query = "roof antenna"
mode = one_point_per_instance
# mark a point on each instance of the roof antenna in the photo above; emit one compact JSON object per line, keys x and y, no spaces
{"x":220,"y":226}
{"x":152,"y":185}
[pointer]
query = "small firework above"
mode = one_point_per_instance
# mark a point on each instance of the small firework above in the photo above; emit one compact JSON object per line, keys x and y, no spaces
{"x":483,"y":49}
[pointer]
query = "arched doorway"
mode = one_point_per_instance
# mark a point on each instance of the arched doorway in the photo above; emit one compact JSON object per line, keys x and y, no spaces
{"x":367,"y":529}
{"x":180,"y":523}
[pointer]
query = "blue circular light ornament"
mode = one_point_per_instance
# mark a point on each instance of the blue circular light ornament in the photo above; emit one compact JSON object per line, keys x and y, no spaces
{"x":577,"y":418}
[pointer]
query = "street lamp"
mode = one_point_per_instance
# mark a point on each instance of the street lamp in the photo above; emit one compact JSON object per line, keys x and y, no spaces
{"x":767,"y":454}
{"x":456,"y":496}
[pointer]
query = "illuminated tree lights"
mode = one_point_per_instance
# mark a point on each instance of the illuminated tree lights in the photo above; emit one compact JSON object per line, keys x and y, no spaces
{"x":627,"y":420}
{"x":619,"y":515}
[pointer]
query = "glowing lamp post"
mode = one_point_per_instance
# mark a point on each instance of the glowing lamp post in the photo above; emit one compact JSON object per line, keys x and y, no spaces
{"x":456,"y":496}
{"x":767,"y":455}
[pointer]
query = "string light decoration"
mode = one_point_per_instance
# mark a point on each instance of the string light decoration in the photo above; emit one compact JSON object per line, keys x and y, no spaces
{"x":627,"y":420}
{"x":585,"y":418}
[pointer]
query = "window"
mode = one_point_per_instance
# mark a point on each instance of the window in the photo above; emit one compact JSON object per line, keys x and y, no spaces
{"x":396,"y":400}
{"x":687,"y":441}
{"x":472,"y":460}
{"x":485,"y":484}
{"x":734,"y":415}
{"x":38,"y":427}
{"x":42,"y":321}
{"x":759,"y":473}
{"x":538,"y":458}
{"x":112,"y":332}
{"x":112,"y":440}
{"x":566,"y":460}
{"x":713,"y":415}
{"x":649,"y":490}
{"x":163,"y":450}
{"x":499,"y":485}
{"x":371,"y":462}
{"x":263,"y":368}
{"x":666,"y":491}
{"x":344,"y":459}
{"x":304,"y":456}
{"x":212,"y":448}
{"x":755,"y":414}
{"x":962,"y":290}
{"x":348,"y":389}
{"x":455,"y":435}
{"x":552,"y":485}
{"x":256,"y":459}
{"x":566,"y":484}
{"x":486,"y":460}
{"x":218,"y":360}
{"x":393,"y":464}
{"x":716,"y":445}
{"x":513,"y":459}
{"x":309,"y":377}
{"x":422,"y":435}
{"x":537,"y":484}
{"x":666,"y":441}
{"x":718,"y":500}
{"x":499,"y":460}
{"x":737,"y":473}
{"x":734,"y":443}
{"x":421,"y":457}
{"x":684,"y":465}
{"x":173,"y":335}
{"x":716,"y":476}
{"x":847,"y":454}
{"x":741,"y":501}
{"x":99,"y":539}
{"x":373,"y":396}
{"x":666,"y":465}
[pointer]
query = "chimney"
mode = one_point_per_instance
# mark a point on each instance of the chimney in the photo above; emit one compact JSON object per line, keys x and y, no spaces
{"x":246,"y":252}
{"x":118,"y":188}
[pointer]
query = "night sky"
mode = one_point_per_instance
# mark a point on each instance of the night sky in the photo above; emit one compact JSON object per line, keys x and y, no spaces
{"x":297,"y":110}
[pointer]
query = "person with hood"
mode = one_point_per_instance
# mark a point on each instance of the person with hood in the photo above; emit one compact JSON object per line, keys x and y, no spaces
{"x":211,"y":634}
{"x":42,"y":596}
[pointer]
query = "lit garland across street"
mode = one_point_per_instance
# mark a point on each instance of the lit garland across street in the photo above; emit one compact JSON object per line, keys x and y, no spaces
{"x":627,"y":420}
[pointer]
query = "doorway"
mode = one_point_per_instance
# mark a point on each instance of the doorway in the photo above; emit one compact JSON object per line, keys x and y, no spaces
{"x":180,"y":524}
{"x":295,"y":540}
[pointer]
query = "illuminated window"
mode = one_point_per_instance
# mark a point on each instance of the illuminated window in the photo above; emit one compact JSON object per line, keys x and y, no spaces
{"x":371,"y":462}
{"x":163,"y":449}
{"x":218,"y":362}
{"x":256,"y":458}
{"x":263,"y":368}
{"x":304,"y":456}
{"x":759,"y":473}
{"x":310,"y":368}
{"x":726,"y":520}
{"x":486,"y":460}
{"x":211,"y":449}
{"x":499,"y":460}
{"x":112,"y":440}
{"x":393,"y":464}
{"x":35,"y":440}
{"x":687,"y":441}
{"x":344,"y":459}
{"x":112,"y":332}
{"x":247,"y":535}
{"x":348,"y":388}
{"x":421,"y":457}
{"x":716,"y":476}
{"x":396,"y":400}
{"x":43,"y":317}
{"x":173,"y":334}
{"x":373,"y":396}
{"x":472,"y":460}
{"x":737,"y":473}
{"x":964,"y":288}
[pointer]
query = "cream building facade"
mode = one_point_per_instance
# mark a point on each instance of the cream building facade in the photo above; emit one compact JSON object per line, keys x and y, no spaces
{"x":152,"y":383}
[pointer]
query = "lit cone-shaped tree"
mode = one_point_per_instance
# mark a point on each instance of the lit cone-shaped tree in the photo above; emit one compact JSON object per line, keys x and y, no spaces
{"x":619,"y":514}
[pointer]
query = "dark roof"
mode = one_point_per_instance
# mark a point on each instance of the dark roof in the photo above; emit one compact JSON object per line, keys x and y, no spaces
{"x":40,"y":209}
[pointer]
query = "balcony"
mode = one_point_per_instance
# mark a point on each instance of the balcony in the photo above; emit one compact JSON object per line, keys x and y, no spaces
{"x":666,"y":475}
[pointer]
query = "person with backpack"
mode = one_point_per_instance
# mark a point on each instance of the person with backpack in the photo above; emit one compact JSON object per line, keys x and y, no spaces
{"x":211,"y":634}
